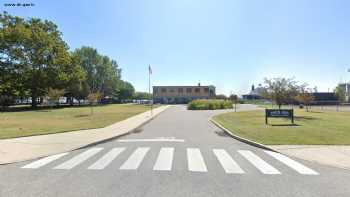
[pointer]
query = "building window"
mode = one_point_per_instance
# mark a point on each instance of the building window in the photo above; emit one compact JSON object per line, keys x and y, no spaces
{"x":163,"y":90}
{"x":206,"y":90}
{"x":180,"y":90}
{"x":197,"y":90}
{"x":188,"y":90}
{"x":172,"y":90}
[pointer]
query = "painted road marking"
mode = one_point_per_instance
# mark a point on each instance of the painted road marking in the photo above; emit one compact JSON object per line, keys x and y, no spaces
{"x":226,"y":161}
{"x":135,"y":159}
{"x":161,"y":139}
{"x":292,"y":164}
{"x":106,"y":159}
{"x":78,"y":159}
{"x":165,"y":159}
{"x":195,"y":160}
{"x":263,"y":166}
{"x":41,"y":162}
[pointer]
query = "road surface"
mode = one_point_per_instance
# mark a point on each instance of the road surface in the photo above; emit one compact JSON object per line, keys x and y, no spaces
{"x":179,"y":153}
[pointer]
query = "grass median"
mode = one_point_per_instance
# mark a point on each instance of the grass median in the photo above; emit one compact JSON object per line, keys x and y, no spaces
{"x":311,"y":128}
{"x":48,"y":121}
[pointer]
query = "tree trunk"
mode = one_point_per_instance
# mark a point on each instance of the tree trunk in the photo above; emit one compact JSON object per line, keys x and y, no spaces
{"x":34,"y":101}
{"x":279,"y":106}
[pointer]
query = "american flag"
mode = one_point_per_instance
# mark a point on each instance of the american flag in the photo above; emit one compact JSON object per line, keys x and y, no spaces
{"x":149,"y":69}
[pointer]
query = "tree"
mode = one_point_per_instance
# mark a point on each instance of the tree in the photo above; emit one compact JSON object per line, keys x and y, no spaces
{"x":234,"y":99}
{"x":77,"y":86}
{"x":93,"y":98}
{"x":54,"y":96}
{"x":340,"y":93}
{"x":305,"y":97}
{"x":79,"y":90}
{"x":126,"y":91}
{"x":280,"y":90}
{"x":102,"y":73}
{"x":34,"y":51}
{"x":142,"y":96}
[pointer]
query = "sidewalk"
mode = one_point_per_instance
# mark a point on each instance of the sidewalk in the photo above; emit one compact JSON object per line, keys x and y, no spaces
{"x":26,"y":148}
{"x":332,"y":155}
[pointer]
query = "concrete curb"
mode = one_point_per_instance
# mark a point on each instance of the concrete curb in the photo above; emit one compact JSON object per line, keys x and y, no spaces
{"x":242,"y":139}
{"x":93,"y":143}
{"x":121,"y":135}
{"x":256,"y":144}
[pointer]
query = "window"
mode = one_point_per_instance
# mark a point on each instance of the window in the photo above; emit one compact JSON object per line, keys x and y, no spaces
{"x":206,"y":90}
{"x":197,"y":90}
{"x":163,"y":90}
{"x":180,"y":90}
{"x":188,"y":90}
{"x":172,"y":90}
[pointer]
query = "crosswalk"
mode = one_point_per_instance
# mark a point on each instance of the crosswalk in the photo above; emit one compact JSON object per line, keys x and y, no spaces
{"x":196,"y":161}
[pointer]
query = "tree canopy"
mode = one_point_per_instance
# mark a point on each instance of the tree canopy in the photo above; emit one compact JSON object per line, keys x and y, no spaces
{"x":34,"y":55}
{"x":280,"y":90}
{"x":34,"y":59}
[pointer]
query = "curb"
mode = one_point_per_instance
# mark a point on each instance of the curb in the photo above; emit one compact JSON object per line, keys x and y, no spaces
{"x":121,"y":135}
{"x":93,"y":143}
{"x":242,"y":139}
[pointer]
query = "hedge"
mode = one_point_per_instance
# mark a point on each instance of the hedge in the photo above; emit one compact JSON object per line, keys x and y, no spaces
{"x":209,"y":104}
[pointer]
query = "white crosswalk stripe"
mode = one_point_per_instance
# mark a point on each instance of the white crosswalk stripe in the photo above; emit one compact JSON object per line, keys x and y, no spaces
{"x":164,"y":159}
{"x":46,"y":160}
{"x":260,"y":164}
{"x":106,"y":159}
{"x":135,"y":159}
{"x":226,"y":161}
{"x":78,"y":159}
{"x":292,"y":164}
{"x":195,"y":160}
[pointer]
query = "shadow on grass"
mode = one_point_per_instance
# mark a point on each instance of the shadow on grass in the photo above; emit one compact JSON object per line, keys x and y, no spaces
{"x":315,"y":112}
{"x":81,"y":116}
{"x":305,"y":118}
{"x":284,"y":125}
{"x":42,"y":108}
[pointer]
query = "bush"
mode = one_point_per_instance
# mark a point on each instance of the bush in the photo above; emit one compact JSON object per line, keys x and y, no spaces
{"x":207,"y":104}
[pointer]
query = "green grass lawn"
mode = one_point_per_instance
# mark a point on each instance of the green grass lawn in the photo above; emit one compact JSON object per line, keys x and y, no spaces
{"x":36,"y":122}
{"x":316,"y":127}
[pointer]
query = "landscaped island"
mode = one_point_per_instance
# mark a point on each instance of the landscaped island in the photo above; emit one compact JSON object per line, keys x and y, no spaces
{"x":209,"y":104}
{"x":47,"y":121}
{"x":315,"y":127}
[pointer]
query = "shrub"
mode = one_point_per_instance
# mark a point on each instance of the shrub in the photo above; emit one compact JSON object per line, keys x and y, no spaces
{"x":209,"y":104}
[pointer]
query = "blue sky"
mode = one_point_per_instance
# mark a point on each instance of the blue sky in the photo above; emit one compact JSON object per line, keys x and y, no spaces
{"x":231,"y":44}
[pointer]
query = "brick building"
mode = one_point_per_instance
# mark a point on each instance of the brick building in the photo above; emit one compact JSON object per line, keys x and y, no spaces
{"x":182,"y":94}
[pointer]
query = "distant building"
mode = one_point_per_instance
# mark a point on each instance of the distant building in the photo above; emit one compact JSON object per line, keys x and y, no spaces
{"x":324,"y":98}
{"x":255,"y":93}
{"x":182,"y":94}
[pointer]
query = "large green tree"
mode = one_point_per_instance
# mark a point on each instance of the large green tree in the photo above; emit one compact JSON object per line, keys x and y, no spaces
{"x":33,"y":51}
{"x":126,"y":91}
{"x":142,"y":95}
{"x":102,"y":73}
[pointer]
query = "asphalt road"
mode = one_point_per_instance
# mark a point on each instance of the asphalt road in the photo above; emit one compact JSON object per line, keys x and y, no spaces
{"x":179,"y":153}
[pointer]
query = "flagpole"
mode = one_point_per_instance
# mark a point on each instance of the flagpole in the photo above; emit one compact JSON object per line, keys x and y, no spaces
{"x":149,"y":87}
